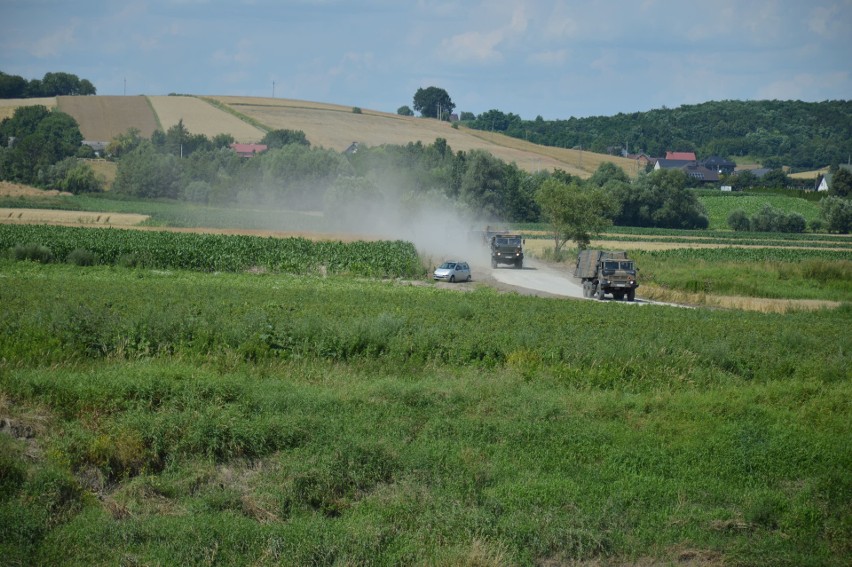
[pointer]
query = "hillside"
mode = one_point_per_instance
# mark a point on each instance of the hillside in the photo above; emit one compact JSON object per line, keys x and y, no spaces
{"x":101,"y":118}
{"x":326,"y":125}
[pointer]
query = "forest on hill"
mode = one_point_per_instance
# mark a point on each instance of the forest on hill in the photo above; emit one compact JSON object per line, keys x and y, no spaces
{"x":802,"y":135}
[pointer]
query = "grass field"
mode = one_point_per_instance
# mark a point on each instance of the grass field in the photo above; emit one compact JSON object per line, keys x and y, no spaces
{"x":175,"y":417}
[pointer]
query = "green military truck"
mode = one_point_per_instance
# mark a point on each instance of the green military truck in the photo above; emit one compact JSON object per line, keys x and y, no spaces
{"x":605,"y":272}
{"x":507,"y":249}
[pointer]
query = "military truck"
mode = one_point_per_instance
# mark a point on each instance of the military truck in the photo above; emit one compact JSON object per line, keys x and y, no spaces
{"x":507,"y":249}
{"x":605,"y":272}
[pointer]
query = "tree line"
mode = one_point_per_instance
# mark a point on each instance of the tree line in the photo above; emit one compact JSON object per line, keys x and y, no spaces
{"x":799,"y":134}
{"x":52,"y":84}
{"x":42,"y":147}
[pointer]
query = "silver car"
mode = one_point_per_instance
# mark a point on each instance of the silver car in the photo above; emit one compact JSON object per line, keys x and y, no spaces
{"x":453,"y":271}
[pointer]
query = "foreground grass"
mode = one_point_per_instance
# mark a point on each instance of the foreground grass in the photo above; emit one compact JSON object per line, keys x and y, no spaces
{"x":231,"y":419}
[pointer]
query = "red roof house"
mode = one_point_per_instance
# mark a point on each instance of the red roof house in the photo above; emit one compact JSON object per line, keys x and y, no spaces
{"x":248,"y":150}
{"x":681,"y":156}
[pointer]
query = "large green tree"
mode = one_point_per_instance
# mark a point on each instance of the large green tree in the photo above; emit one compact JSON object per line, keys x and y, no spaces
{"x":574,"y":212}
{"x":433,"y":102}
{"x":841,"y":183}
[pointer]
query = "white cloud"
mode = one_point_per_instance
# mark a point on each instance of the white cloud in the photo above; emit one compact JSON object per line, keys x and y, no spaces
{"x":54,"y":43}
{"x":242,"y":53}
{"x":473,"y":46}
{"x":549,"y":58}
{"x":828,"y":21}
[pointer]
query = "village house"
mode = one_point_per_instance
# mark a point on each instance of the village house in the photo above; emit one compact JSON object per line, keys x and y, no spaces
{"x":248,"y":150}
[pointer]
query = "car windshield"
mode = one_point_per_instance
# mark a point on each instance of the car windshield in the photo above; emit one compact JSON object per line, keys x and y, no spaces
{"x":508,"y":242}
{"x":448,"y":265}
{"x":610,"y":265}
{"x":627,"y":266}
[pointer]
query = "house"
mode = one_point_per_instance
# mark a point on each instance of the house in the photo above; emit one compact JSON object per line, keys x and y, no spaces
{"x":641,"y":159}
{"x":700,"y":173}
{"x":681,"y":156}
{"x":662,"y":163}
{"x":97,"y":146}
{"x":353,"y":148}
{"x":248,"y":150}
{"x":719,"y":164}
{"x":823,"y":182}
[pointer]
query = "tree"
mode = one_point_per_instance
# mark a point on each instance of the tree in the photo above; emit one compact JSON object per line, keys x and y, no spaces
{"x":147,"y":173}
{"x":280,"y":138}
{"x":125,"y":143}
{"x":433,"y":102}
{"x":837,"y":214}
{"x":841,"y":183}
{"x":738,"y":221}
{"x":405,"y":110}
{"x":12,"y":86}
{"x":574,"y":212}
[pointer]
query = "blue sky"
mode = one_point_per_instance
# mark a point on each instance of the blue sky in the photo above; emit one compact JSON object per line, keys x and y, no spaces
{"x":556,"y":59}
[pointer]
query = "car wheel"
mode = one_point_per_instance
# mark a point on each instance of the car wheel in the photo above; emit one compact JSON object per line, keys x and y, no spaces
{"x":452,"y":279}
{"x":469,"y":277}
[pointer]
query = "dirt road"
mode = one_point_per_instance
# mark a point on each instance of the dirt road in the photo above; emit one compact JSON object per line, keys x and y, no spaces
{"x":538,"y":277}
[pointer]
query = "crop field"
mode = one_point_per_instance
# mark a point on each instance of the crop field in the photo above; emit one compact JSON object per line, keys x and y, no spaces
{"x":213,"y":252}
{"x":102,"y":118}
{"x":8,"y":105}
{"x":336,"y":127}
{"x":200,"y":117}
{"x":155,"y":417}
{"x":719,"y":206}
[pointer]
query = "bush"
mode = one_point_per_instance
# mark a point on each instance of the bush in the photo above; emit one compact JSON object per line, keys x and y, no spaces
{"x":356,"y":110}
{"x":82,"y":257}
{"x":837,"y":214}
{"x":32,"y":252}
{"x":738,"y":220}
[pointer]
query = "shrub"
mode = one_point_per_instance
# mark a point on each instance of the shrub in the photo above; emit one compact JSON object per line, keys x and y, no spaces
{"x":32,"y":252}
{"x":82,"y":257}
{"x":738,"y":220}
{"x":356,"y":110}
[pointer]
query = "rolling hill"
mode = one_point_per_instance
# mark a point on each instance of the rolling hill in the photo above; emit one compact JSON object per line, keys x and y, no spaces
{"x":327,"y":125}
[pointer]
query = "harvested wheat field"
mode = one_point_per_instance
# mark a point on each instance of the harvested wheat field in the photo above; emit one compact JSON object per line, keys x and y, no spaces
{"x":336,"y":127}
{"x":200,"y":117}
{"x":8,"y":105}
{"x":69,"y":218}
{"x":9,"y":189}
{"x":101,"y":118}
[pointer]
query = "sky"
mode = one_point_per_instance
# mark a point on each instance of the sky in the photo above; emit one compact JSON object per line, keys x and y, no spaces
{"x":555,"y":59}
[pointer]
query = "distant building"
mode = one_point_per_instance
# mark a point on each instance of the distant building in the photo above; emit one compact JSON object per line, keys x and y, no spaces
{"x":248,"y":150}
{"x":719,"y":164}
{"x":353,"y":148}
{"x":681,"y":156}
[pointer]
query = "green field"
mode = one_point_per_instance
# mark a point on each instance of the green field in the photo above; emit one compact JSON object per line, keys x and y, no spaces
{"x":720,"y":205}
{"x":175,"y":417}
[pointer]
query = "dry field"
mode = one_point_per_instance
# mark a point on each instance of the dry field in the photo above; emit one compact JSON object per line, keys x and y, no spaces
{"x":69,"y":218}
{"x":200,"y":117}
{"x":101,"y":118}
{"x":9,"y":189}
{"x":105,"y":170}
{"x":336,"y":127}
{"x":8,"y":105}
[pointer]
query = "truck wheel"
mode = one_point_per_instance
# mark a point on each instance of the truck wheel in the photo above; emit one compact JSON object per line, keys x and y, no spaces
{"x":519,"y":264}
{"x":631,"y":294}
{"x":493,"y":262}
{"x":601,"y":293}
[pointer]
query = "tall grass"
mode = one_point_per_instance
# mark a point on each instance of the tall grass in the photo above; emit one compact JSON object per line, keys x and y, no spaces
{"x":167,"y":418}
